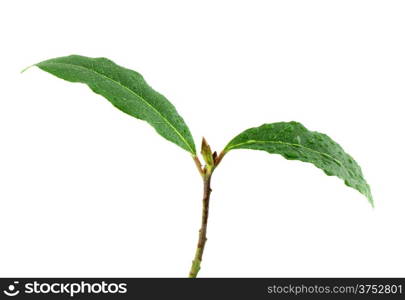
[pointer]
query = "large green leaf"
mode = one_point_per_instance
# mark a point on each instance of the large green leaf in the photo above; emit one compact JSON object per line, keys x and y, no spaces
{"x":126,"y":90}
{"x":293,"y":141}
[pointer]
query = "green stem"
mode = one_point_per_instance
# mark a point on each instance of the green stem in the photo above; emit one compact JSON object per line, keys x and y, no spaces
{"x":202,"y":238}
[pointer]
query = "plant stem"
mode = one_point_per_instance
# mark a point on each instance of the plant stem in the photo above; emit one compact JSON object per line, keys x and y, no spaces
{"x":202,"y":238}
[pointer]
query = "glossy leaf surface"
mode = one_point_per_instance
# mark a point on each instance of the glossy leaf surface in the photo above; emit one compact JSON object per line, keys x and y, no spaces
{"x":126,"y":90}
{"x":294,"y":142}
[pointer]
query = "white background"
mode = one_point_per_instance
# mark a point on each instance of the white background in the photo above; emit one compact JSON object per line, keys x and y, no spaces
{"x":86,"y":190}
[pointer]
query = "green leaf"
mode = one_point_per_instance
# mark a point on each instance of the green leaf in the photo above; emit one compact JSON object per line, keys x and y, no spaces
{"x":126,"y":90}
{"x":294,"y":142}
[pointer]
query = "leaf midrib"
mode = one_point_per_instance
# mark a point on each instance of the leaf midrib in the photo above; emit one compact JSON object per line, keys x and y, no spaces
{"x":288,"y":144}
{"x":131,"y":91}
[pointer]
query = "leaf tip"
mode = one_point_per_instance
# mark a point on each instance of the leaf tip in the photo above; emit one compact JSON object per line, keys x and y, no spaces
{"x":369,"y":196}
{"x":26,"y":68}
{"x":371,"y":200}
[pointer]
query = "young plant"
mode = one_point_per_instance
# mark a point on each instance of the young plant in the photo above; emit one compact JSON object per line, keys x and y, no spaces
{"x":128,"y":91}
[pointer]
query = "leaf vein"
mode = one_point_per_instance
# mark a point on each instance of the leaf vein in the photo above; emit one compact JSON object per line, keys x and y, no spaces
{"x":288,"y":144}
